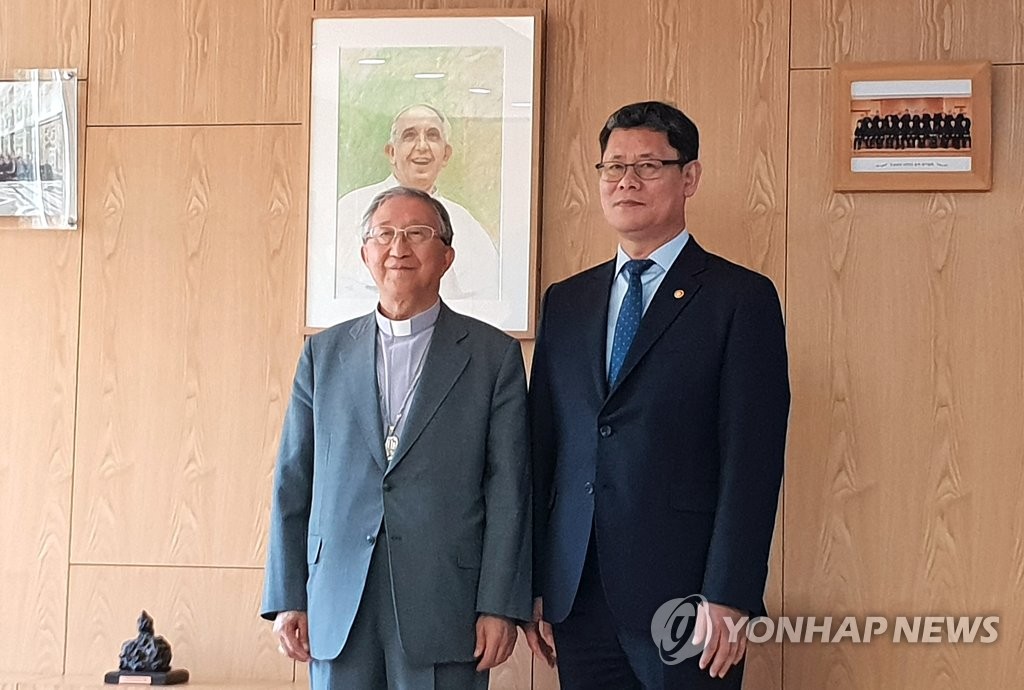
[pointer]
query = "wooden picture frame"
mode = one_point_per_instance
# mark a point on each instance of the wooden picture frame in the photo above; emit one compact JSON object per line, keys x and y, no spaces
{"x":477,"y":75}
{"x":913,"y":127}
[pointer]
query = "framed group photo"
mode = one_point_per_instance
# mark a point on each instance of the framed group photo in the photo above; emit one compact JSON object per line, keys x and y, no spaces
{"x":447,"y":102}
{"x":913,"y":127}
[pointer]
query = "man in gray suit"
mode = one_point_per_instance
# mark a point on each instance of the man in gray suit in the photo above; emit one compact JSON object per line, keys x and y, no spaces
{"x":399,"y":552}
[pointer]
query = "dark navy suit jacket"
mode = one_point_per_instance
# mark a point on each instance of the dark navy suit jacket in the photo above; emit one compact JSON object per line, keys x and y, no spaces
{"x":678,"y":466}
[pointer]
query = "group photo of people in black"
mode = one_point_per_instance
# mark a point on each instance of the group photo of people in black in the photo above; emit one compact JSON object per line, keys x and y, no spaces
{"x":908,"y":129}
{"x":15,"y":167}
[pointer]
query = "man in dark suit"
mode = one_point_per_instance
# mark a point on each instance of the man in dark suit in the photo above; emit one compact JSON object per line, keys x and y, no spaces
{"x":960,"y":130}
{"x":399,"y":551}
{"x":659,"y":402}
{"x":905,"y":135}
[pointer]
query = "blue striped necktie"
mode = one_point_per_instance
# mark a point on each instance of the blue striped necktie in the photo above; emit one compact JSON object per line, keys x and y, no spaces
{"x":629,"y":316}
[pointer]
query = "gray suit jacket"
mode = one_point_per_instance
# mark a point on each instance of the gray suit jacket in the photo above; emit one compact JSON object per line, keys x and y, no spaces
{"x":455,"y":501}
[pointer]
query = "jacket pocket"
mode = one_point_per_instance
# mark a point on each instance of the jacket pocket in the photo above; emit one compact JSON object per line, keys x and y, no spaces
{"x":313,"y":546}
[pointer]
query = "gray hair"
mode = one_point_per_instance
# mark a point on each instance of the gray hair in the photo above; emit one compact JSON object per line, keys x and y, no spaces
{"x":446,"y":128}
{"x":445,"y":232}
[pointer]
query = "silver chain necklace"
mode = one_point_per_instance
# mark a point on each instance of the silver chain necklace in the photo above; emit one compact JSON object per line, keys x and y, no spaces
{"x":391,"y":438}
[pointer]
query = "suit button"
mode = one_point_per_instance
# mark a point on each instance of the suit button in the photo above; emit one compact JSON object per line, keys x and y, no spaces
{"x":387,"y":487}
{"x":370,"y":539}
{"x":589,"y":488}
{"x":605,"y":431}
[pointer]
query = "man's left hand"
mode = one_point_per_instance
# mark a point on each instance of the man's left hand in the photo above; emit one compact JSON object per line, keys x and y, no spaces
{"x":721,"y":652}
{"x":495,"y":640}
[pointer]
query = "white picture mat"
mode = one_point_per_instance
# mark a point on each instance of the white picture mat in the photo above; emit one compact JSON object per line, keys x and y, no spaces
{"x":911,"y":88}
{"x":911,"y":164}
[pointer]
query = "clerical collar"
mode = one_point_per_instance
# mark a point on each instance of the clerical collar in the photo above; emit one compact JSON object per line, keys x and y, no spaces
{"x":411,"y":326}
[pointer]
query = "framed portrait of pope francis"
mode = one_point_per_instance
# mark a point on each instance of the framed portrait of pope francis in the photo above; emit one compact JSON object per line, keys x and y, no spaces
{"x":446,"y":102}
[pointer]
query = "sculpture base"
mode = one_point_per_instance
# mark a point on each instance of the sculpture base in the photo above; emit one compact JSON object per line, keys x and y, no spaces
{"x":172,"y":677}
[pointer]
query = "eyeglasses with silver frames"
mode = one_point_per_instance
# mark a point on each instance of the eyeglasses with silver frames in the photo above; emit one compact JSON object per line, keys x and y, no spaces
{"x":413,"y":234}
{"x":647,"y":169}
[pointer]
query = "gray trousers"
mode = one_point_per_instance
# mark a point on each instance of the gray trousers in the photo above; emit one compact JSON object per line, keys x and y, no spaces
{"x":373,"y":658}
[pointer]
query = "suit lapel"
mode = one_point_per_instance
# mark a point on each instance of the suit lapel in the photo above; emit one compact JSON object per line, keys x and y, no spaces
{"x":446,"y":360}
{"x":665,"y":306}
{"x":593,"y":306}
{"x":362,"y":374}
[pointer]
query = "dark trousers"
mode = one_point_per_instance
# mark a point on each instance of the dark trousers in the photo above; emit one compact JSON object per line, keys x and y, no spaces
{"x":596,"y":653}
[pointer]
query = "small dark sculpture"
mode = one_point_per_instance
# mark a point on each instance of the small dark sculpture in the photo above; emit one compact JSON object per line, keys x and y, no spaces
{"x":146,"y":652}
{"x":146,"y":659}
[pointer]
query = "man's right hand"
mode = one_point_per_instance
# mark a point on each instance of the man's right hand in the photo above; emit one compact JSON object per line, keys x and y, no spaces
{"x":292,"y":631}
{"x":539,"y":635}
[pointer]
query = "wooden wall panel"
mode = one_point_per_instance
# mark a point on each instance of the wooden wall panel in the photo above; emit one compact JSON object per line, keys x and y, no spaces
{"x":44,"y":33}
{"x":199,"y":61}
{"x":39,"y":277}
{"x":876,"y":31}
{"x":191,"y":306}
{"x":209,"y":615}
{"x":736,"y":97}
{"x":907,"y":346}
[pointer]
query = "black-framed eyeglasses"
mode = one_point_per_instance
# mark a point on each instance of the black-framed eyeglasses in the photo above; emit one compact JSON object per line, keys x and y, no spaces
{"x":386,"y":234}
{"x":647,"y":169}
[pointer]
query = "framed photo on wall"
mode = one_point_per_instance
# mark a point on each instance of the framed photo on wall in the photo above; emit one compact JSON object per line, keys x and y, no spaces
{"x":445,"y":101}
{"x":39,"y":149}
{"x":913,"y":127}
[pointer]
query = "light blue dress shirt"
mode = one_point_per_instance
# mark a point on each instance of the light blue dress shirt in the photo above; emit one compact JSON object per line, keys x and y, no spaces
{"x":663,"y":257}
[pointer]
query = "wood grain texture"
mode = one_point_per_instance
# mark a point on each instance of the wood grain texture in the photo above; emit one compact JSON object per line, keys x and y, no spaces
{"x":544,"y":678}
{"x":209,"y":616}
{"x":736,"y":97}
{"x":44,"y":33}
{"x":514,"y":674}
{"x":907,"y":350}
{"x":199,"y":61}
{"x":830,"y":31}
{"x":39,"y":277}
{"x":191,"y":300}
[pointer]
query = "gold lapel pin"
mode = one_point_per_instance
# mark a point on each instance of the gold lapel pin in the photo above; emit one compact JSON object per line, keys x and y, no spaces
{"x":678,"y":294}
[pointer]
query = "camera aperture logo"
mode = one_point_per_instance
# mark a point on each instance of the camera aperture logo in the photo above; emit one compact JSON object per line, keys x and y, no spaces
{"x":672,"y":629}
